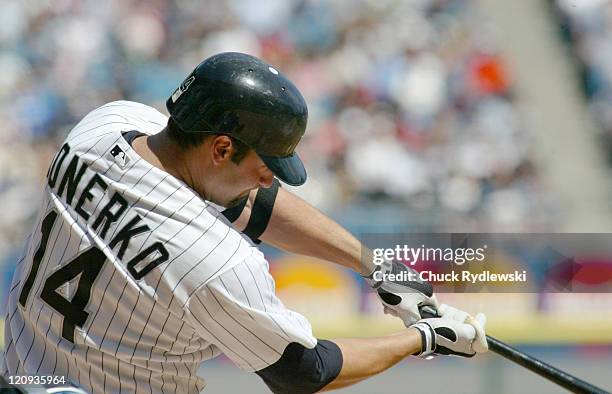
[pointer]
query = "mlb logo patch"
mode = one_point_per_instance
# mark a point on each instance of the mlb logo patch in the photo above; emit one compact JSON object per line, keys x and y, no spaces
{"x":118,"y":156}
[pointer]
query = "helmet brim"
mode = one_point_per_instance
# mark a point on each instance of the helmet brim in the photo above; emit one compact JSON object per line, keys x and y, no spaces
{"x":288,"y":169}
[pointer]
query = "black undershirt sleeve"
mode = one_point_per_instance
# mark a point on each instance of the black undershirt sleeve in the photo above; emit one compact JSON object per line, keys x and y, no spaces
{"x":260,"y":212}
{"x":301,"y":370}
{"x":232,"y":214}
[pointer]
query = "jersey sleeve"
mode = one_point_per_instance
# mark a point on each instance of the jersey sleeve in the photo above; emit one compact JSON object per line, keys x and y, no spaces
{"x":239,"y":313}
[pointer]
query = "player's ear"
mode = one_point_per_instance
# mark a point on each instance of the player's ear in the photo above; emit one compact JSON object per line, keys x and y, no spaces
{"x":221,"y":149}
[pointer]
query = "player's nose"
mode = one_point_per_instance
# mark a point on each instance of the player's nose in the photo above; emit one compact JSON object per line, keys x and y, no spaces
{"x":265,"y":178}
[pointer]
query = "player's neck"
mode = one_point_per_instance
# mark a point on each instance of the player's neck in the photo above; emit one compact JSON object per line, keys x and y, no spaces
{"x":162,"y":153}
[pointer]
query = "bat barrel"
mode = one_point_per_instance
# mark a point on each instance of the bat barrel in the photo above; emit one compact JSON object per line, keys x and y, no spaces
{"x":543,"y":369}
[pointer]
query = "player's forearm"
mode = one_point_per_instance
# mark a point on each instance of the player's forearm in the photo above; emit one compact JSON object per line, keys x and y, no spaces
{"x":297,"y":227}
{"x":366,"y":357}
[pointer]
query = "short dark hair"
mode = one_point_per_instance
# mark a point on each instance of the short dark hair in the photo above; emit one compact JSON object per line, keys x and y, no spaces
{"x":191,"y":140}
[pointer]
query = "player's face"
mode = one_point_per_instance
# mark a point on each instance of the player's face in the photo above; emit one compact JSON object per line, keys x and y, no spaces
{"x":251,"y":173}
{"x":237,"y":180}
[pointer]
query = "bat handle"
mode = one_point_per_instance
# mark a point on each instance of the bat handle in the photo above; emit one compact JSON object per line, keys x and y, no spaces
{"x":427,"y":311}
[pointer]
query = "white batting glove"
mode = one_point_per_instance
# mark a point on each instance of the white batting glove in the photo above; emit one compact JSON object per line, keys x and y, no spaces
{"x":454,"y":333}
{"x":402,"y":298}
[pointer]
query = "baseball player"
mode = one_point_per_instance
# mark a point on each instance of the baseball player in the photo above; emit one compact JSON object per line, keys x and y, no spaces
{"x":144,"y":262}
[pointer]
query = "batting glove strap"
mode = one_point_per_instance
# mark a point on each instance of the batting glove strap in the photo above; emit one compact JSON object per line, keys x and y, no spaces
{"x":385,"y":267}
{"x":428,"y":339}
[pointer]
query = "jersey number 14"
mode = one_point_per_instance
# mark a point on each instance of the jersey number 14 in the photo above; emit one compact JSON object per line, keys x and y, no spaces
{"x":88,"y":264}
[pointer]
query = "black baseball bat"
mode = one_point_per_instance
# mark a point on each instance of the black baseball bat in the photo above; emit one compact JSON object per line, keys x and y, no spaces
{"x":547,"y":371}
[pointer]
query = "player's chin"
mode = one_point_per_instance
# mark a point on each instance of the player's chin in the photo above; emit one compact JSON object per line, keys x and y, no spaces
{"x":237,"y":200}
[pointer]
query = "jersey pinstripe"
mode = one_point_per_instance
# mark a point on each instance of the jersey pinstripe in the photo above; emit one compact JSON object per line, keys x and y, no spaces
{"x":130,"y":280}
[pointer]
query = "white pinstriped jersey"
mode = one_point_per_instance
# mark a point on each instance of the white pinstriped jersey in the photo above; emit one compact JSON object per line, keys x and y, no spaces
{"x":130,"y":280}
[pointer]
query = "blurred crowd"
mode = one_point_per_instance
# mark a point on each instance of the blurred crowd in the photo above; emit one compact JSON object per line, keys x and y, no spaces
{"x":411,"y":104}
{"x":587,"y":26}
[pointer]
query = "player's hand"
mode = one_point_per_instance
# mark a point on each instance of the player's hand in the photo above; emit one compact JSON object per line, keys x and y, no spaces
{"x":454,"y":333}
{"x":402,"y":298}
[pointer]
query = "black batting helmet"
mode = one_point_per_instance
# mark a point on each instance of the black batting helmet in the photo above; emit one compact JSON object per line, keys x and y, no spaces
{"x":241,"y":96}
